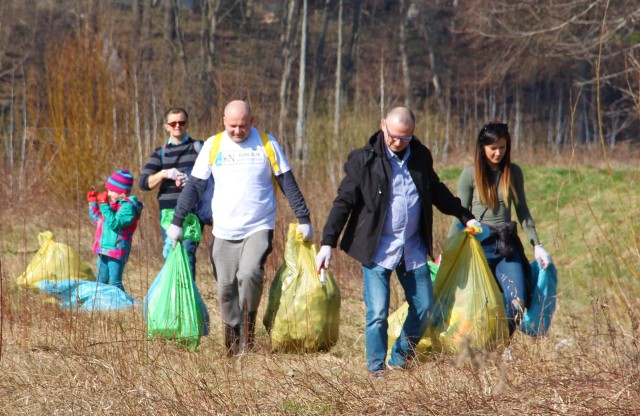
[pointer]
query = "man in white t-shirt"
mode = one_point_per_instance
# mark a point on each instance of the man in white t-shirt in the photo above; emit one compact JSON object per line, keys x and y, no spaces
{"x":244,"y":216}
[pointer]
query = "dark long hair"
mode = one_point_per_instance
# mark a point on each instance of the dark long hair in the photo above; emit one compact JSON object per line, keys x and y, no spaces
{"x":487,"y":188}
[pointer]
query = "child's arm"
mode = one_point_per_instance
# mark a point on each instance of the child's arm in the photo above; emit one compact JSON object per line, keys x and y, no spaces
{"x":94,"y":213}
{"x":123,"y":218}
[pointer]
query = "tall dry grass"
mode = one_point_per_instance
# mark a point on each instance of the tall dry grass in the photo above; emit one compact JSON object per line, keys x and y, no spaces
{"x":56,"y":361}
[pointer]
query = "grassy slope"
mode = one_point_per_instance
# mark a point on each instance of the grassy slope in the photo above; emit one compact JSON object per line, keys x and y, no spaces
{"x":58,"y":362}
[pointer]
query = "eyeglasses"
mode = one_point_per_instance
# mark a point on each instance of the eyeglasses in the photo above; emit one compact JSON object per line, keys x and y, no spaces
{"x":391,"y":136}
{"x":173,"y":124}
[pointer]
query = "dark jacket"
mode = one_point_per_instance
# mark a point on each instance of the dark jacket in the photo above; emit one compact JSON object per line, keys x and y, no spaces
{"x":363,"y":199}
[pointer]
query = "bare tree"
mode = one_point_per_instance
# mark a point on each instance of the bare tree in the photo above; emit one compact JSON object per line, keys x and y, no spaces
{"x":319,"y":58}
{"x":299,"y":147}
{"x":350,"y":65}
{"x":172,"y":33}
{"x":404,"y":60}
{"x":210,"y":15}
{"x":287,"y":41}
{"x":338,"y":88}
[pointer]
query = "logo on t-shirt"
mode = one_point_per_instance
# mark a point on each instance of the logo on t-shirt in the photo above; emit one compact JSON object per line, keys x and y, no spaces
{"x":242,"y":157}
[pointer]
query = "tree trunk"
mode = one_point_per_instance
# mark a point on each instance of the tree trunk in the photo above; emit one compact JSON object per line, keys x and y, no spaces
{"x":181,"y":51}
{"x":287,"y":41}
{"x":350,"y":67}
{"x":338,"y":88}
{"x":318,"y":62}
{"x":406,"y":76}
{"x":169,"y":30}
{"x":210,"y":10}
{"x":301,"y":84}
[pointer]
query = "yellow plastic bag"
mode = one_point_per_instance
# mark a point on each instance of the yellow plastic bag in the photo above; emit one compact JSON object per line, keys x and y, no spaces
{"x":54,"y":261}
{"x":303,"y":311}
{"x":468,"y":307}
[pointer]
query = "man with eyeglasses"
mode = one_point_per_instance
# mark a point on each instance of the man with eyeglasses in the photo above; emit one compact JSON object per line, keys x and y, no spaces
{"x":385,"y":200}
{"x":168,"y":170}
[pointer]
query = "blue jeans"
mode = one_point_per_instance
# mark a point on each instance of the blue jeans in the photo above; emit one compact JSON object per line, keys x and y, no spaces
{"x":418,"y":292}
{"x":509,"y":273}
{"x":191,"y":247}
{"x":110,"y":271}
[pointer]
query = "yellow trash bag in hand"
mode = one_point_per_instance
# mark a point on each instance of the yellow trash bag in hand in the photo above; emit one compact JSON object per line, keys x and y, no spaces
{"x":468,"y":306}
{"x":303,"y":311}
{"x":54,"y":261}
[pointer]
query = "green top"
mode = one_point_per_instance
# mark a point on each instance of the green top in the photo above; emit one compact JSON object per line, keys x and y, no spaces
{"x":502,"y":214}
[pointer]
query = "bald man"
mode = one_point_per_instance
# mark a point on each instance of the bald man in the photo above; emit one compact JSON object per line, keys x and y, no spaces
{"x":385,"y":200}
{"x":244,"y":215}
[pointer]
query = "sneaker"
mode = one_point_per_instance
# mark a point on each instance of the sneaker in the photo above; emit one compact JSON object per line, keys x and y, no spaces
{"x":395,"y":367}
{"x":507,"y":355}
{"x":377,"y":374}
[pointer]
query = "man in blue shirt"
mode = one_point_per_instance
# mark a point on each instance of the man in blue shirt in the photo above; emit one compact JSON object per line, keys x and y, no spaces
{"x":385,"y":200}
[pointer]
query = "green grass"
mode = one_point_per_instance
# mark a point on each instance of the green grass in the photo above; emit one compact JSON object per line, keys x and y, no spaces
{"x":587,"y":219}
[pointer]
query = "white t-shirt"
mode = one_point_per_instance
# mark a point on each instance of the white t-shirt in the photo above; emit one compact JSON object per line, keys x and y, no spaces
{"x":244,"y":197}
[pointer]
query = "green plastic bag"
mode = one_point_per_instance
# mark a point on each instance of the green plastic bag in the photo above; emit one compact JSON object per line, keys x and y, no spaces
{"x":191,"y":229}
{"x":468,"y":307}
{"x":172,"y":309}
{"x":54,"y":261}
{"x":303,"y":311}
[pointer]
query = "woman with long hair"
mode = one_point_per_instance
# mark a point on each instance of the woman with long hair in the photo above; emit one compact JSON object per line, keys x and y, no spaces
{"x":489,"y":189}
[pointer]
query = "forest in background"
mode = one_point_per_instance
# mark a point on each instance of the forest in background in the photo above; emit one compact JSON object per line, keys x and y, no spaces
{"x":84,"y":83}
{"x":84,"y":78}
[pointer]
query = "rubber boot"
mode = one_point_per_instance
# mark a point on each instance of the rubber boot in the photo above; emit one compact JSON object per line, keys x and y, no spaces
{"x":232,"y":340}
{"x":249,"y":331}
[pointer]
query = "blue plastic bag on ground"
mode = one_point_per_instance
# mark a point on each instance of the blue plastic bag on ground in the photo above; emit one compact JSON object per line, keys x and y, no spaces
{"x":86,"y":296}
{"x":544,"y":283}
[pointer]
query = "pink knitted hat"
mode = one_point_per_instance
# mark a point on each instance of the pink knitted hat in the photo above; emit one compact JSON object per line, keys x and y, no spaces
{"x":120,"y":182}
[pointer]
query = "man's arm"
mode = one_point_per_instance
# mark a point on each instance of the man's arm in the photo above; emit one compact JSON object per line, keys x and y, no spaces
{"x":291,"y":190}
{"x":188,"y":199}
{"x":152,"y":174}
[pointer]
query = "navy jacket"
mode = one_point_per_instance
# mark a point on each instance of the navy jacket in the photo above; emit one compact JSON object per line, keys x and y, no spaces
{"x":363,"y":199}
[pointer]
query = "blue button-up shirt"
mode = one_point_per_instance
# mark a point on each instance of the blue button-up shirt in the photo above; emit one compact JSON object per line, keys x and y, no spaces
{"x":401,"y":231}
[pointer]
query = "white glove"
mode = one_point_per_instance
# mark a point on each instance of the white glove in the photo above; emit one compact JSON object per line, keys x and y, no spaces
{"x":542,"y":257}
{"x":174,"y":233}
{"x":181,"y":179}
{"x":323,"y":257}
{"x":306,"y":231}
{"x":171,"y":173}
{"x":473,"y":223}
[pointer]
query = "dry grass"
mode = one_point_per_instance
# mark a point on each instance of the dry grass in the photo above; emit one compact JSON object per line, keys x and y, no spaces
{"x":60,"y":362}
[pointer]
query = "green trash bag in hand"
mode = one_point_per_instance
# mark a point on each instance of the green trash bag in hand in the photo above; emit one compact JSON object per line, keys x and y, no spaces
{"x":172,"y":310}
{"x":303,"y":311}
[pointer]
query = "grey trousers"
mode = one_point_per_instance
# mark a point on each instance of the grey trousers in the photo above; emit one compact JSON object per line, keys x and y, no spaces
{"x":239,"y":268}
